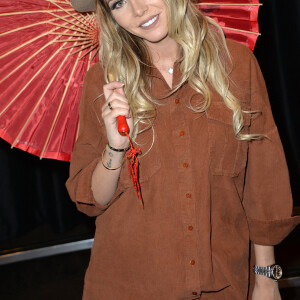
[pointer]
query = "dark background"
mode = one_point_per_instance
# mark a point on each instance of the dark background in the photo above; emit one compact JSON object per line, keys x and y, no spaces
{"x":277,"y":52}
{"x":35,"y":210}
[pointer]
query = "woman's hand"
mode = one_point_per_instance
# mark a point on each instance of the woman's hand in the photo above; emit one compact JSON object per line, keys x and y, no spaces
{"x":116,"y":104}
{"x":265,"y":289}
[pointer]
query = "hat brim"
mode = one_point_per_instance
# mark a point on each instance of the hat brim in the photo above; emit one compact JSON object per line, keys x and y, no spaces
{"x":84,"y":5}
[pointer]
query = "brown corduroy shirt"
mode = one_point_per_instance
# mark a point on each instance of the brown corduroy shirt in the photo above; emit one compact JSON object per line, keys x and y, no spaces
{"x":206,"y":195}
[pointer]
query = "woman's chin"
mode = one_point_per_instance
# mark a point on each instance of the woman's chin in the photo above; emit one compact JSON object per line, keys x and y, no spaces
{"x":156,"y":39}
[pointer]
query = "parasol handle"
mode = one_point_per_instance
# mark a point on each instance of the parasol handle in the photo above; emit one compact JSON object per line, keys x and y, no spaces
{"x":122,"y":125}
{"x":123,"y":128}
{"x":132,"y":153}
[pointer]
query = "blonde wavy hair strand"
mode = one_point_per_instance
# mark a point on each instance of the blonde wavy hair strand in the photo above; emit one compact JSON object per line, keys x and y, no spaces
{"x":205,"y":59}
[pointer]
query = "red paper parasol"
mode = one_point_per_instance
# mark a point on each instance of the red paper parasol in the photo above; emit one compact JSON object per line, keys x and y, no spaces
{"x":46,"y":47}
{"x":238,"y":18}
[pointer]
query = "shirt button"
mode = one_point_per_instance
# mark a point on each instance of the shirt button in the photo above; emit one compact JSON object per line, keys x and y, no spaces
{"x":190,"y":228}
{"x":185,"y":165}
{"x":177,"y":101}
{"x":194,"y":293}
{"x":188,"y":195}
{"x":181,"y":133}
{"x":192,"y":262}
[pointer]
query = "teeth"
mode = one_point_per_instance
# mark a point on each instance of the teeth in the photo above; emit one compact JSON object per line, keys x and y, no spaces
{"x":149,"y":22}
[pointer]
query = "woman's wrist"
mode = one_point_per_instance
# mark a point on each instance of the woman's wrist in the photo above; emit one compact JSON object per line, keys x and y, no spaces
{"x":264,"y":255}
{"x":112,"y":160}
{"x":117,"y":149}
{"x":261,"y":280}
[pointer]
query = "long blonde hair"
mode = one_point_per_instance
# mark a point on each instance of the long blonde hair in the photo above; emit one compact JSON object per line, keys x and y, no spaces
{"x":203,"y":61}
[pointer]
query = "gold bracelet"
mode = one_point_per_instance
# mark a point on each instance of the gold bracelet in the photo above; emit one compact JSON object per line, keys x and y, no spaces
{"x":107,"y":168}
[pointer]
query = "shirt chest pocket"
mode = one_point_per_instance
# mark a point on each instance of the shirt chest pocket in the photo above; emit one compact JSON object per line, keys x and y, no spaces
{"x":228,"y":156}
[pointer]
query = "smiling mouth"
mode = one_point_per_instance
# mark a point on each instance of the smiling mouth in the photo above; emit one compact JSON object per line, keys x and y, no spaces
{"x":150,"y":22}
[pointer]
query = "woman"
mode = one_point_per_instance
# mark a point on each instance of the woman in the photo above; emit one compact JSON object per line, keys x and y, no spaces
{"x":213,"y":175}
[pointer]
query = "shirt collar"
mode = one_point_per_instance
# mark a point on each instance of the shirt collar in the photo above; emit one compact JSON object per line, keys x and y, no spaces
{"x":160,"y":88}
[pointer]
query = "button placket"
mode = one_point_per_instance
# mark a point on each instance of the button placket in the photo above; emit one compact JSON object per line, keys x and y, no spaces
{"x":182,"y":156}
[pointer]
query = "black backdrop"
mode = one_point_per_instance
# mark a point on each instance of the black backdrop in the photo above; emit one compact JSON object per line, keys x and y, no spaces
{"x":34,"y":206}
{"x":277,"y":51}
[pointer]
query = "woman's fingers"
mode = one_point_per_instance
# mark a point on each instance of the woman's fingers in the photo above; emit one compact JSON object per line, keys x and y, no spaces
{"x":114,"y":86}
{"x":120,"y":111}
{"x":116,"y":104}
{"x":114,"y":101}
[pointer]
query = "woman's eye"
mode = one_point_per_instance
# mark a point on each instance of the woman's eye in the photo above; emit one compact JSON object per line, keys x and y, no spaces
{"x":117,"y":4}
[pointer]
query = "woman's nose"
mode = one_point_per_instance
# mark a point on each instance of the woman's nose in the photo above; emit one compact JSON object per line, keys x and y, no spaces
{"x":139,"y":7}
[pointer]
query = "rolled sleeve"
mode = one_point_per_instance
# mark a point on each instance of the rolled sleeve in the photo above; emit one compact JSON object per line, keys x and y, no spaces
{"x":83,"y":195}
{"x":267,"y":196}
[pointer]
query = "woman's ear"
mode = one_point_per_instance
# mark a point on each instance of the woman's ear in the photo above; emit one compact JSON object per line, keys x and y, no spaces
{"x":84,"y":5}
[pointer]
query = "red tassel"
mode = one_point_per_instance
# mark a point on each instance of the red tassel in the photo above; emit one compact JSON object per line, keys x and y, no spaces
{"x":131,"y":155}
